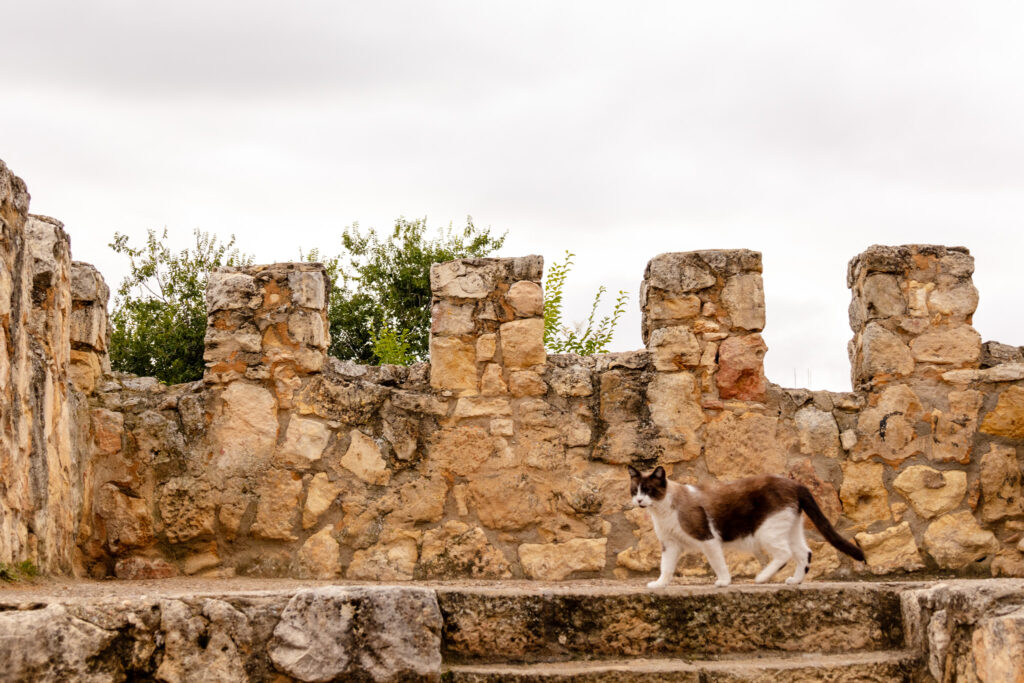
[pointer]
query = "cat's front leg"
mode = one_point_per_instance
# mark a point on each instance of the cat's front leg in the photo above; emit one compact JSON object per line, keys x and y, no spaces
{"x":716,"y":558}
{"x":669,"y":559}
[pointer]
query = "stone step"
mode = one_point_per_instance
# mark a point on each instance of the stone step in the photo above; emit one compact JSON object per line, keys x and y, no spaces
{"x":883,"y":667}
{"x":579,"y":622}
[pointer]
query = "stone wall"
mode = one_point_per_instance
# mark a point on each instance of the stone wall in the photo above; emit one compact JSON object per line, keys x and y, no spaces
{"x":496,"y":460}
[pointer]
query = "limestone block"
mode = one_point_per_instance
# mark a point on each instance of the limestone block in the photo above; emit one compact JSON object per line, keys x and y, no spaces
{"x":526,"y":299}
{"x":225,"y":345}
{"x":661,"y":307}
{"x":526,"y":383}
{"x":502,"y":426}
{"x":391,"y":559}
{"x":741,"y":368}
{"x":848,"y":439}
{"x":486,"y":347}
{"x":451,"y":320}
{"x":460,"y":451}
{"x":743,"y":298}
{"x":881,"y":297}
{"x":959,"y":345}
{"x":736,"y":447}
{"x":675,"y":348}
{"x":88,"y":285}
{"x":572,"y":380}
{"x":363,"y":459}
{"x":227,"y":291}
{"x":309,"y":328}
{"x":956,"y":540}
{"x":244,"y":430}
{"x":84,"y":370}
{"x":143,"y":568}
{"x":421,"y":500}
{"x":817,"y":431}
{"x":510,"y":500}
{"x":89,"y":327}
{"x":187,"y":508}
{"x":673,"y":400}
{"x":320,"y":495}
{"x":1000,"y":483}
{"x":107,"y":431}
{"x":823,"y":491}
{"x":367,"y":633}
{"x":309,"y":289}
{"x":890,"y":550}
{"x":462,"y":280}
{"x":522,"y":343}
{"x":304,"y":442}
{"x":452,"y":363}
{"x":458,"y":549}
{"x":1007,"y":419}
{"x":863,"y":492}
{"x":492,"y":381}
{"x":679,"y":272}
{"x":930,"y":491}
{"x":883,"y":354}
{"x":320,"y":556}
{"x":557,"y":561}
{"x":201,"y":561}
{"x":887,"y":429}
{"x":278,"y":505}
{"x":958,"y":301}
{"x":127,"y":519}
{"x":998,"y":648}
{"x":50,"y":645}
{"x":953,"y":431}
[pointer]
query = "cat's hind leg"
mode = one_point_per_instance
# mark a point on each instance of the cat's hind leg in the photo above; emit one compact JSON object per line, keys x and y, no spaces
{"x":669,"y":558}
{"x":798,"y":544}
{"x":773,"y":537}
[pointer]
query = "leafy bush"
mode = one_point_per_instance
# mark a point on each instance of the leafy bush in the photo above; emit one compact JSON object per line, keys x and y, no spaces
{"x":585,"y":338}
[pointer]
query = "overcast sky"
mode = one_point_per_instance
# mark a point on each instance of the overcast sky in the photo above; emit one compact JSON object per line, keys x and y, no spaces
{"x":807,"y":131}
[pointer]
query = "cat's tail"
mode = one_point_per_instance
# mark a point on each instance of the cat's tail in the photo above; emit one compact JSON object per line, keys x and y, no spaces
{"x":809,"y":506}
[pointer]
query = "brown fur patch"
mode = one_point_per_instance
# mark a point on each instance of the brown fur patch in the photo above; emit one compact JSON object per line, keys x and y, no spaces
{"x":737,"y":508}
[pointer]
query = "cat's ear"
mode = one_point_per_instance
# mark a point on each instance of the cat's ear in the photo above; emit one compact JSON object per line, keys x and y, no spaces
{"x":633,"y":473}
{"x":658,"y":473}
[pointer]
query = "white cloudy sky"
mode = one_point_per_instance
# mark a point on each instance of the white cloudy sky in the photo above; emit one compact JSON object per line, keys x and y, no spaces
{"x":805,"y":130}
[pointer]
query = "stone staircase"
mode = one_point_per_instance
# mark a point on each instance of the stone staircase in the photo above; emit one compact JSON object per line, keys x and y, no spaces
{"x":817,"y":632}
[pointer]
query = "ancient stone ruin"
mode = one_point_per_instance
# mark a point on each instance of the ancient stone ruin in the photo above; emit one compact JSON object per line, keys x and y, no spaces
{"x":495,"y":460}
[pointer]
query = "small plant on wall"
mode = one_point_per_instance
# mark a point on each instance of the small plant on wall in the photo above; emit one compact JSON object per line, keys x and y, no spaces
{"x":585,"y":338}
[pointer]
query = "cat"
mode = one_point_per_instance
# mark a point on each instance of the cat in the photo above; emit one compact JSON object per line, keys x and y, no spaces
{"x":756,"y":513}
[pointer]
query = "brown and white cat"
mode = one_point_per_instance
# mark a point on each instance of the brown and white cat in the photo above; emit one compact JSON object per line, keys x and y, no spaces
{"x":756,"y":513}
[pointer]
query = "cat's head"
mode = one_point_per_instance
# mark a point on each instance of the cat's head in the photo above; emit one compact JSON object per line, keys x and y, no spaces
{"x":646,"y":489}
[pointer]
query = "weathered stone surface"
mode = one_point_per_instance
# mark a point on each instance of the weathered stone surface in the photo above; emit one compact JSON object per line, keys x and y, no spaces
{"x":571,"y":380}
{"x":958,"y":301}
{"x":881,"y":297}
{"x":143,"y":568}
{"x":743,"y":298}
{"x":890,"y":550}
{"x":50,"y":645}
{"x":882,"y":355}
{"x":998,"y":648}
{"x":509,"y":501}
{"x":522,"y":343}
{"x":823,"y":491}
{"x":675,"y":348}
{"x":304,"y":442}
{"x":107,"y":430}
{"x":492,"y":381}
{"x":930,"y":491}
{"x":557,"y":561}
{"x":421,"y":500}
{"x":278,"y":505}
{"x":460,"y":451}
{"x":457,"y":549}
{"x":452,"y":363}
{"x":817,"y":431}
{"x":526,"y":383}
{"x":244,"y":430}
{"x":679,"y":272}
{"x":363,"y":459}
{"x":320,"y":556}
{"x":1007,"y":419}
{"x":1000,"y":483}
{"x":451,"y":320}
{"x":320,"y":495}
{"x":674,"y":307}
{"x":379,"y":634}
{"x":863,"y":493}
{"x":187,"y":509}
{"x":956,"y":540}
{"x":953,"y":431}
{"x":741,"y":368}
{"x":951,"y":346}
{"x":463,"y":279}
{"x":127,"y":519}
{"x":526,"y":299}
{"x":482,"y":406}
{"x":393,"y":558}
{"x":736,"y":447}
{"x":227,"y":290}
{"x":888,"y":427}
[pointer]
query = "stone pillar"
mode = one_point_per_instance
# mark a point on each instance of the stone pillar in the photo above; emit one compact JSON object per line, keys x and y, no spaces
{"x":267,"y":323}
{"x":911,"y":313}
{"x":702,"y":314}
{"x":487,"y":324}
{"x":90,"y":331}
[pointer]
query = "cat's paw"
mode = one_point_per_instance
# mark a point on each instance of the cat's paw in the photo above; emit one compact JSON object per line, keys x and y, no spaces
{"x":723,"y":582}
{"x":792,"y":581}
{"x":657,"y":584}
